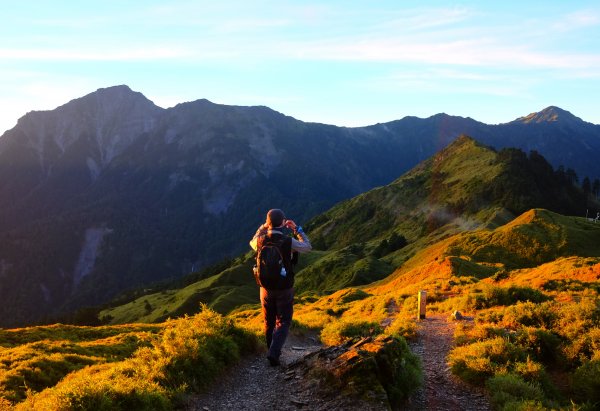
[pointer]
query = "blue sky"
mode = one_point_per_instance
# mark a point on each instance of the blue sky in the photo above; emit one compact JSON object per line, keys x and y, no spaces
{"x":347,"y":63}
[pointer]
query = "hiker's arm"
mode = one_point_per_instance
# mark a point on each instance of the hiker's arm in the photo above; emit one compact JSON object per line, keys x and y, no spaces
{"x":262,"y":230}
{"x":302,"y":244}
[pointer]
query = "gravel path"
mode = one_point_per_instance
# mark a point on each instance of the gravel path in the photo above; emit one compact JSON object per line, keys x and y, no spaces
{"x":254,"y":385}
{"x":441,"y":390}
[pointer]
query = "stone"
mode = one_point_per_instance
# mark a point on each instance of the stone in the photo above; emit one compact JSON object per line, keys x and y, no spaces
{"x":456,"y":315}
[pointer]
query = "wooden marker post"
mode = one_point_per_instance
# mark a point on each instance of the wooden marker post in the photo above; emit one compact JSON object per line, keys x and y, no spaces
{"x":421,"y":304}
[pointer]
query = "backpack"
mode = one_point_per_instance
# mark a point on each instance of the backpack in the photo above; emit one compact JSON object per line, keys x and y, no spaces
{"x":273,"y":269}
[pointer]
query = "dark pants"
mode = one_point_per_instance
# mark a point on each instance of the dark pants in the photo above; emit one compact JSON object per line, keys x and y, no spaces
{"x":278,"y":308}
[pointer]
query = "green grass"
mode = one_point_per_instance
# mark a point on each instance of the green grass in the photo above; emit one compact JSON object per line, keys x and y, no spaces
{"x":513,"y":349}
{"x":339,"y":269}
{"x":222,"y":292}
{"x":187,"y":355}
{"x":61,"y":332}
{"x":35,"y":358}
{"x":534,"y":238}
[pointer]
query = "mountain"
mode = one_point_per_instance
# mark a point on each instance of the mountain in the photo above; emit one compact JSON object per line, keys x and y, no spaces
{"x":465,"y":187}
{"x":110,"y":192}
{"x":530,"y":279}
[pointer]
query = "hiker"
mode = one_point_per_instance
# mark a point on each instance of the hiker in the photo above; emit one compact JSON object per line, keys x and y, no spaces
{"x":275,"y":275}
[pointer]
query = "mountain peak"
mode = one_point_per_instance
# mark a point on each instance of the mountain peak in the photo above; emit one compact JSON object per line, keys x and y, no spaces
{"x":551,"y":114}
{"x":115,"y":94}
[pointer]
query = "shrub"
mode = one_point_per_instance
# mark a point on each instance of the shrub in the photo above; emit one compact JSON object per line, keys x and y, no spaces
{"x":353,"y":294}
{"x":577,"y":318}
{"x":339,"y":332}
{"x":509,"y":391}
{"x":406,"y":371}
{"x":586,"y":382}
{"x":480,"y":360}
{"x":493,"y":296}
{"x":529,"y":314}
{"x":402,"y":327}
{"x":584,"y":347}
{"x":529,"y":370}
{"x":543,"y":345}
{"x":467,"y":334}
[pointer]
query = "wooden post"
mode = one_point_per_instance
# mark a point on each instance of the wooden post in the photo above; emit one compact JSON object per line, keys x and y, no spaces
{"x":421,"y":304}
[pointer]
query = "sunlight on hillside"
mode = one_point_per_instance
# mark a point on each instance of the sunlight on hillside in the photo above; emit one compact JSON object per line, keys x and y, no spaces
{"x":523,"y":280}
{"x":118,"y":368}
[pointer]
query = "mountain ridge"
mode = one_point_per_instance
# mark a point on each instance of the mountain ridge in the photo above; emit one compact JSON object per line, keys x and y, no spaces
{"x":180,"y":188}
{"x":550,"y":114}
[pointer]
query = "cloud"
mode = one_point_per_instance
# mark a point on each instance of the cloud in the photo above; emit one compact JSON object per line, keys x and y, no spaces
{"x":128,"y":54}
{"x":453,"y":52}
{"x":425,"y":18}
{"x":441,"y":80}
{"x":578,"y":20}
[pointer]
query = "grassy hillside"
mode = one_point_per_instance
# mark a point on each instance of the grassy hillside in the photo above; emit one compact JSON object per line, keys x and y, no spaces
{"x":464,"y":187}
{"x":142,"y":367}
{"x":534,"y":342}
{"x":222,"y":292}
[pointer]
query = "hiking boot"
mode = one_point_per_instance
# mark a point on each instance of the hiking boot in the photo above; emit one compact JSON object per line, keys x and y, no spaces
{"x":273,"y":361}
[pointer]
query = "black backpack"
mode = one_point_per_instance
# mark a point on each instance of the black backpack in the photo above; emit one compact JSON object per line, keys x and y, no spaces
{"x":273,"y":269}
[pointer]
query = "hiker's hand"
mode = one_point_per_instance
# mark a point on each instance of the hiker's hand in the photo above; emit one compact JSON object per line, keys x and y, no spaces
{"x":290,"y":224}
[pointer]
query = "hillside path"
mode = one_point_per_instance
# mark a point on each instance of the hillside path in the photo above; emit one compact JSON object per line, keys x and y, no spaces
{"x":254,"y":385}
{"x":441,"y":390}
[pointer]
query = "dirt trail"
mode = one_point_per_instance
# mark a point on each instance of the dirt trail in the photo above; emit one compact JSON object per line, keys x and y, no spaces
{"x":441,"y":390}
{"x":254,"y":385}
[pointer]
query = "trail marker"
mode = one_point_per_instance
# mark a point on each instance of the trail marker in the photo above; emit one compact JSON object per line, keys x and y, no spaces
{"x":421,"y":304}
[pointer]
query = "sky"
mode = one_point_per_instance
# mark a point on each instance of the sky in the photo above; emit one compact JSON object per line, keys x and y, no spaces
{"x":343,"y":62}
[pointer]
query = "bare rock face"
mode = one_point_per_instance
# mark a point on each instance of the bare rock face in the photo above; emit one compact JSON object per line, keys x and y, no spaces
{"x":380,"y":372}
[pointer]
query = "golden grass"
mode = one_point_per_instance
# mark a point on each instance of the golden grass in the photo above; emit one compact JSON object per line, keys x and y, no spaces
{"x":145,"y":371}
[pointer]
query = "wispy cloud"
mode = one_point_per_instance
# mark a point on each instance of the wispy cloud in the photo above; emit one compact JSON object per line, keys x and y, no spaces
{"x":578,"y":20}
{"x":453,"y":82}
{"x":425,"y":18}
{"x":456,"y":37}
{"x":129,"y":54}
{"x":460,"y":52}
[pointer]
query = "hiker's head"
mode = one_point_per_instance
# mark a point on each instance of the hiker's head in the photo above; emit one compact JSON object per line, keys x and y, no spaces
{"x":275,"y":218}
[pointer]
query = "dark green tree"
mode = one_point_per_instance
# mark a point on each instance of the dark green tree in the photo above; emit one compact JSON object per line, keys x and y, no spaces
{"x":561,"y":176}
{"x":572,"y":176}
{"x":147,"y":307}
{"x":596,"y":188}
{"x":586,"y":186}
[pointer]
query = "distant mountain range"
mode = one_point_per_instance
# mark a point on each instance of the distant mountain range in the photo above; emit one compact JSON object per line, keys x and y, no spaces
{"x":110,"y":192}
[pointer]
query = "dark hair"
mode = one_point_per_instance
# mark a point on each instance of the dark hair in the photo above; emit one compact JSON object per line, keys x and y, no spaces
{"x":275,"y":218}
